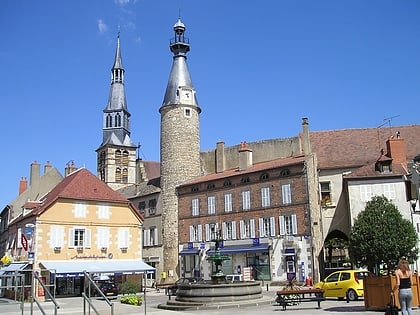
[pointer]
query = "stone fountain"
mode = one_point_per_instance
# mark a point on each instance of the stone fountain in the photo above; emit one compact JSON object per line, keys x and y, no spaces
{"x":217,"y":291}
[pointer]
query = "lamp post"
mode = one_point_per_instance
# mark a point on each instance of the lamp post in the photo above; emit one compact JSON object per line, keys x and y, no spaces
{"x":30,"y":230}
{"x":414,"y":169}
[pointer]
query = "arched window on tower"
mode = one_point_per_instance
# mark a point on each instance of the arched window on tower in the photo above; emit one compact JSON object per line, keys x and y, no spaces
{"x":125,"y":158}
{"x":108,"y":121}
{"x":118,"y":120}
{"x":118,"y":157}
{"x":118,"y":175}
{"x":125,"y":176}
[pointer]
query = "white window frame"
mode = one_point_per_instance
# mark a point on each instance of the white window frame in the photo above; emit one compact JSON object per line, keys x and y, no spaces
{"x":286,"y":194}
{"x":365,"y":192}
{"x":389,"y":191}
{"x":228,"y":202}
{"x":211,"y":230}
{"x":265,"y":197}
{"x":195,"y":205}
{"x":103,"y":233}
{"x":103,"y":211}
{"x":56,"y":236}
{"x":229,"y":230}
{"x":80,"y":210}
{"x":123,"y":238}
{"x":86,"y":242}
{"x":211,"y":204}
{"x":246,"y":200}
{"x":196,"y":233}
{"x":288,"y":224}
{"x":267,"y":227}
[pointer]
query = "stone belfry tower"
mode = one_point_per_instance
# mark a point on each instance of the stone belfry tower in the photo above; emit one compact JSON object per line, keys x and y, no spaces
{"x":116,"y":156}
{"x":179,"y":144}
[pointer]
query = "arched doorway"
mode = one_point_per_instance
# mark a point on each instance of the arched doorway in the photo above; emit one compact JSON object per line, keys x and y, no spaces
{"x":336,"y":253}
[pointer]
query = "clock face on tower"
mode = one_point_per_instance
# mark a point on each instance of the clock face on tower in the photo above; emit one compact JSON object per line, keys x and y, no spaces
{"x":186,"y":95}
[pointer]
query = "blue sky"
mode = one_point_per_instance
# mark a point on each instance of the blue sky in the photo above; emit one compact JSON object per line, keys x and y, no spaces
{"x":258,"y":67}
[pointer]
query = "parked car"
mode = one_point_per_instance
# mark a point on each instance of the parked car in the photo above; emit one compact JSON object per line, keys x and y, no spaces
{"x":171,"y":290}
{"x":234,"y":278}
{"x":107,"y":288}
{"x":344,"y":283}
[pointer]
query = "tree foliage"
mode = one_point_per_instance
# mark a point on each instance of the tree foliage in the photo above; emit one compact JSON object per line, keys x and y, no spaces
{"x":380,"y":234}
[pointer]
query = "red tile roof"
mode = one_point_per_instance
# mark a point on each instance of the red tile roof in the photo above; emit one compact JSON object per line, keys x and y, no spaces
{"x":357,"y":147}
{"x":81,"y":185}
{"x":254,"y":168}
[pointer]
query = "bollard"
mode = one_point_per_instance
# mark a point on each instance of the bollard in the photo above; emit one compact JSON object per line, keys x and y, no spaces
{"x":347,"y":298}
{"x":267,"y":287}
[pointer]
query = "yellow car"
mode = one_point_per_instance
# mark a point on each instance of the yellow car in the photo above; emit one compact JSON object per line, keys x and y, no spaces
{"x":344,"y":283}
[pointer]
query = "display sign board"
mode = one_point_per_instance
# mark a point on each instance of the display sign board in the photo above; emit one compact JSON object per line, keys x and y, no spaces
{"x":24,"y":242}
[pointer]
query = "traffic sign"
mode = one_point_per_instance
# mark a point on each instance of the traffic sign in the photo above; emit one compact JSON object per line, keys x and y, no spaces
{"x":24,"y":242}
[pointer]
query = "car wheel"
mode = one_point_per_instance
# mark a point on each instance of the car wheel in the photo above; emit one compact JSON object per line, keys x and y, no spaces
{"x":352,"y":295}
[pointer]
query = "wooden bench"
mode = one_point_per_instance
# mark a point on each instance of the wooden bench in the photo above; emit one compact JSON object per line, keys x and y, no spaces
{"x":293,"y":297}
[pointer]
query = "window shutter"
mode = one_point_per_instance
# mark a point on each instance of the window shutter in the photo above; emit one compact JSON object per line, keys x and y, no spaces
{"x":200,"y":233}
{"x":272,"y":226}
{"x":87,"y":238}
{"x":155,"y":238}
{"x":207,"y":232}
{"x":252,"y":227}
{"x":261,"y":227}
{"x":191,"y":233}
{"x":234,"y":230}
{"x":122,"y":238}
{"x":60,"y":241}
{"x":19,"y":236}
{"x":294,"y":224}
{"x":147,"y":237}
{"x":71,"y":237}
{"x":224,"y":231}
{"x":242,"y":229}
{"x":281,"y":225}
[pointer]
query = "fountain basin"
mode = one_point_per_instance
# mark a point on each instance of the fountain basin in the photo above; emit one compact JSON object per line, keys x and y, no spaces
{"x":208,"y":292}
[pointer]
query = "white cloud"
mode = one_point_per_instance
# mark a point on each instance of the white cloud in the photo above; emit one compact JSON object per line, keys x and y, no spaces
{"x":102,"y":26}
{"x":121,"y":2}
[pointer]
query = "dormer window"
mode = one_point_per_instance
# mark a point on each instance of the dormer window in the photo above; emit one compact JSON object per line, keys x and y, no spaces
{"x":383,"y":167}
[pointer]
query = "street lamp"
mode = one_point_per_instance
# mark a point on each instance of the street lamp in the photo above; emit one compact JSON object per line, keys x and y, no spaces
{"x":30,"y":230}
{"x":414,"y":170}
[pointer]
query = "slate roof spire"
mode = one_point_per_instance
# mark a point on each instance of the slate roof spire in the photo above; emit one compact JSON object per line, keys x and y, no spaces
{"x":116,"y":117}
{"x":180,"y":75}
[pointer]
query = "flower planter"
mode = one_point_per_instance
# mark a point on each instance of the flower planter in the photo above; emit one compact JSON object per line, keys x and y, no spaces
{"x":377,"y":292}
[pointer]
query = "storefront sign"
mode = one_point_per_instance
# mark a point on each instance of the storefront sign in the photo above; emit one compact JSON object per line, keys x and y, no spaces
{"x":86,"y":256}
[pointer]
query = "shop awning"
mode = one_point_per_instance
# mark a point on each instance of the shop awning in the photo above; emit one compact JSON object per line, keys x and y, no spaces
{"x":13,"y":267}
{"x":189,"y":252}
{"x":240,"y":249}
{"x":98,"y":266}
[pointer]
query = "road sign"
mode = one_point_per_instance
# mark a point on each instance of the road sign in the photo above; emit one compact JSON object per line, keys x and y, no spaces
{"x":24,"y":242}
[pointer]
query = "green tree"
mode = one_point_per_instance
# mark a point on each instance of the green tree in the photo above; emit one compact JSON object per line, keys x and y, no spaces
{"x":380,"y":234}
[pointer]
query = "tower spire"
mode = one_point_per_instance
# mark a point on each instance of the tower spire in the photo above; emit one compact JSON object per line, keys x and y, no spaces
{"x":179,"y":144}
{"x":117,"y":153}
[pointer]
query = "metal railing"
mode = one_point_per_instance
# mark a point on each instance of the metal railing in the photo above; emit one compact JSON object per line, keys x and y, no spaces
{"x":87,"y":298}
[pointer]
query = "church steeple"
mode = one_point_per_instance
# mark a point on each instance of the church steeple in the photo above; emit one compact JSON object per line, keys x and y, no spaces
{"x":116,"y":122}
{"x":117,"y":153}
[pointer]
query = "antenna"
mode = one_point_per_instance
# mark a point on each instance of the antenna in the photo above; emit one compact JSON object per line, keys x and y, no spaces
{"x":387,"y":121}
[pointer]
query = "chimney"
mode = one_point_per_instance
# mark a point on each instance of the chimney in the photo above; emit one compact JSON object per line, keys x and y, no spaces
{"x":70,"y":168}
{"x":396,"y":149}
{"x":35,"y":173}
{"x":23,"y":185}
{"x":245,"y":156}
{"x":220,"y":156}
{"x":306,"y":140}
{"x":47,"y":167}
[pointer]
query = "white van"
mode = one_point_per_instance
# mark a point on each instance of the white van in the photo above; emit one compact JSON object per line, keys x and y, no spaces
{"x":234,"y":278}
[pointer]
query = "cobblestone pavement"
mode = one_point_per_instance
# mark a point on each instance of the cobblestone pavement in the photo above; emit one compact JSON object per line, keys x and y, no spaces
{"x":153,"y":299}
